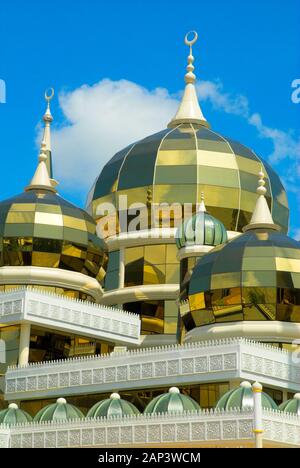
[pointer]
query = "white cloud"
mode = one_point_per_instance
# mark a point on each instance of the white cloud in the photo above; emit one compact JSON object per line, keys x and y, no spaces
{"x":100,"y":120}
{"x":231,"y":104}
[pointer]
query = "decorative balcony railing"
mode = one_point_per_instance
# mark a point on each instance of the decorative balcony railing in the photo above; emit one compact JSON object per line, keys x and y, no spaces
{"x":70,"y":315}
{"x":230,"y":428}
{"x":211,"y":361}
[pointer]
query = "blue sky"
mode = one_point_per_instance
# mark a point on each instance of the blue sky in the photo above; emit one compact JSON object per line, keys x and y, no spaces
{"x":250,"y":50}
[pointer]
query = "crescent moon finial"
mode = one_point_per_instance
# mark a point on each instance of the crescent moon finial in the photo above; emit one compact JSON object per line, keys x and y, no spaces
{"x":48,"y":96}
{"x":191,"y":42}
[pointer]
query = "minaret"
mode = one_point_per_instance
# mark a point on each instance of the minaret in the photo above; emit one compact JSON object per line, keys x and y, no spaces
{"x":261,"y":217}
{"x":189,"y":110}
{"x":48,"y":119}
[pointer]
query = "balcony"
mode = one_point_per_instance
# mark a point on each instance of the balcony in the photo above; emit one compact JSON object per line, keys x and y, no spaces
{"x":193,"y":363}
{"x":69,"y":315}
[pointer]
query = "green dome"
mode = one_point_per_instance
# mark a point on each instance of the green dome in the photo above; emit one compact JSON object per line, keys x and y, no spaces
{"x":201,"y":229}
{"x":171,"y":402}
{"x":14,"y":415}
{"x":254,"y":277}
{"x":59,"y":411}
{"x":291,"y":406}
{"x":39,"y":228}
{"x":112,"y":407}
{"x":242,"y":398}
{"x":175,"y":165}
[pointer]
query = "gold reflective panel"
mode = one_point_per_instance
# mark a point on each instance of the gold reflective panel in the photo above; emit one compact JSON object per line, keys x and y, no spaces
{"x":133,"y":253}
{"x":74,"y":223}
{"x":48,"y":219}
{"x":155,"y":254}
{"x":154,"y":274}
{"x":288,"y":264}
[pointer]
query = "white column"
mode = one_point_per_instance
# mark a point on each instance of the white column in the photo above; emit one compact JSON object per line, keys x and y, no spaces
{"x":258,"y":422}
{"x":24,"y":344}
{"x":122,"y":268}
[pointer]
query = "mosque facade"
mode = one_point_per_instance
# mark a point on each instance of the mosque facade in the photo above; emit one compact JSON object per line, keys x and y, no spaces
{"x":166,"y":313}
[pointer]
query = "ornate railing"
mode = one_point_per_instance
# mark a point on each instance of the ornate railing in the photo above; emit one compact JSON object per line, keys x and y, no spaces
{"x":163,"y":366}
{"x":230,"y":428}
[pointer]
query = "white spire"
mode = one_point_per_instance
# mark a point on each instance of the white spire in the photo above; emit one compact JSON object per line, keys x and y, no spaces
{"x":202,"y":207}
{"x":41,"y":179}
{"x":189,"y":110}
{"x":261,"y":216}
{"x":48,"y":119}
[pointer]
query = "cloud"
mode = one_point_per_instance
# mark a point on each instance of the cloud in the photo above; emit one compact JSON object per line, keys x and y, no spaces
{"x":100,"y":120}
{"x":220,"y":100}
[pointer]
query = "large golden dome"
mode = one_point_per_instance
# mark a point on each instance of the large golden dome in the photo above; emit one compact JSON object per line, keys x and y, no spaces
{"x":176,"y":165}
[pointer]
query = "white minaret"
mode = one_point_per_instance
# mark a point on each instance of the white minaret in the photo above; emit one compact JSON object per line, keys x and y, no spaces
{"x":189,"y":110}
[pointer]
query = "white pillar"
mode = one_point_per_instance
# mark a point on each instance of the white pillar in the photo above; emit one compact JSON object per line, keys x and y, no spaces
{"x":24,"y":344}
{"x":122,"y":268}
{"x":258,"y":422}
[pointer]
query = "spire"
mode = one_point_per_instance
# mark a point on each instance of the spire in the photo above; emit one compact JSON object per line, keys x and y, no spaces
{"x":202,"y":207}
{"x":48,"y":119}
{"x":189,"y":110}
{"x":261,"y":216}
{"x":41,"y":179}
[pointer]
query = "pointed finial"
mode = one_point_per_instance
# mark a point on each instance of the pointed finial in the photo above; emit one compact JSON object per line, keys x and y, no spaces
{"x":41,"y":179}
{"x":189,"y":110}
{"x":202,"y":207}
{"x":261,"y":217}
{"x":190,"y":77}
{"x":48,"y":119}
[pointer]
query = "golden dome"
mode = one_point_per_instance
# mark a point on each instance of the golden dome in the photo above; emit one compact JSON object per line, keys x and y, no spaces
{"x":39,"y":228}
{"x":176,"y":165}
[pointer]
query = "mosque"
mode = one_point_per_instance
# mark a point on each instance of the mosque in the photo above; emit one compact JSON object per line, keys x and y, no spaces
{"x":180,"y":330}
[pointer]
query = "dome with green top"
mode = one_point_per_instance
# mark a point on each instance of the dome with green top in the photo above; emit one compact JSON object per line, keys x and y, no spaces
{"x":112,"y":407}
{"x":201,"y":229}
{"x":242,"y":398}
{"x":14,"y":415}
{"x":171,"y":402}
{"x":59,"y":411}
{"x":291,"y":406}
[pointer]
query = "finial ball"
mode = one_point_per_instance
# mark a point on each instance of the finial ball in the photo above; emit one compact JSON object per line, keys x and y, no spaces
{"x":261,"y":190}
{"x":61,"y":401}
{"x":174,"y":390}
{"x":13,"y":406}
{"x":190,"y":42}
